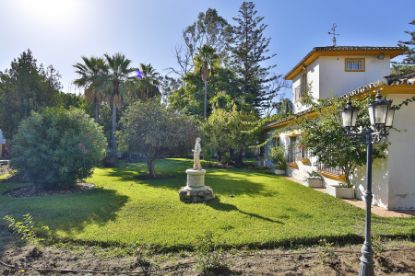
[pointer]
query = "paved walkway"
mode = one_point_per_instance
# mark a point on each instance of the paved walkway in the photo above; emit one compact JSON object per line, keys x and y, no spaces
{"x":376,"y":210}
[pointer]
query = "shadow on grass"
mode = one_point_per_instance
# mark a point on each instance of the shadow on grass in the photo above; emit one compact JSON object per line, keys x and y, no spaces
{"x":171,"y":175}
{"x":70,"y":212}
{"x":220,"y":206}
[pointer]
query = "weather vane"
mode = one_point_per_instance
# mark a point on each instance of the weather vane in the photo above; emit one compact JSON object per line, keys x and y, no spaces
{"x":333,"y":32}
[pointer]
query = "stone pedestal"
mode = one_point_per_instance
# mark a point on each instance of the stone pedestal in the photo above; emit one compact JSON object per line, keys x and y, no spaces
{"x":195,"y":189}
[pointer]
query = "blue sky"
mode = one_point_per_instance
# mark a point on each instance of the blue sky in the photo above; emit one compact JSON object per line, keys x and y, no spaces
{"x":59,"y":32}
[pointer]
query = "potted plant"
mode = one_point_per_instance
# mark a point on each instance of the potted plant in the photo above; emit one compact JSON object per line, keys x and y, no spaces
{"x":342,"y":190}
{"x":278,"y":159}
{"x":314,"y":180}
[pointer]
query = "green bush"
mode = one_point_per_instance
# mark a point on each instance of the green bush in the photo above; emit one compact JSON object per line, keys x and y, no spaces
{"x":57,"y":147}
{"x":26,"y":230}
{"x":210,"y":260}
{"x":278,"y":157}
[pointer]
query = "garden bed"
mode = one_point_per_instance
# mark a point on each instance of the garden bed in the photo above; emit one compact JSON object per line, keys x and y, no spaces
{"x":395,"y":258}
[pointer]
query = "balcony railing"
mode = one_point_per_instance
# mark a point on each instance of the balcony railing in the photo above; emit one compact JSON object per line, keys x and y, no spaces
{"x":325,"y":168}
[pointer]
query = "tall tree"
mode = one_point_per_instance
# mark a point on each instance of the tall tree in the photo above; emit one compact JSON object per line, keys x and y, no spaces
{"x":152,"y":131}
{"x":148,"y":82}
{"x":168,"y":84}
{"x":226,"y":132}
{"x":209,"y":29}
{"x":189,"y":98}
{"x":326,"y":140}
{"x":410,"y":46}
{"x":119,"y":71}
{"x":24,"y":88}
{"x":206,"y":62}
{"x":249,"y":53}
{"x":407,"y":65}
{"x":92,"y":73}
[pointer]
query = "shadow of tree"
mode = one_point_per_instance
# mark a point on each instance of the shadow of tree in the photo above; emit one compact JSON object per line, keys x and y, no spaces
{"x":68,"y":212}
{"x":172,"y":175}
{"x":5,"y":238}
{"x":226,"y":207}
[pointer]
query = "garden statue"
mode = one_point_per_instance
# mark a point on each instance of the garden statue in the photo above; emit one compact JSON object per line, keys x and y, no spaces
{"x":195,"y":189}
{"x":196,"y":155}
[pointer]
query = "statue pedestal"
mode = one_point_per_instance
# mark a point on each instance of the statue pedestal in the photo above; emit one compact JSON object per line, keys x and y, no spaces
{"x":195,"y":189}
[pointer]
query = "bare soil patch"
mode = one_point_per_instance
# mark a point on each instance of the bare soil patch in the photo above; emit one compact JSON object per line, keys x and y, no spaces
{"x":397,"y":258}
{"x":29,"y":191}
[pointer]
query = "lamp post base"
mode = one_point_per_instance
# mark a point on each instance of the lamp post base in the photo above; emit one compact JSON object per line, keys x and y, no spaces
{"x":366,"y":261}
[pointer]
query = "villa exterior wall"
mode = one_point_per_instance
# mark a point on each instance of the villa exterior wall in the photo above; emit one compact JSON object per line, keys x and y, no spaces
{"x":401,"y":157}
{"x":380,"y":182}
{"x":335,"y":81}
{"x":328,"y":78}
{"x":313,"y":71}
{"x":393,"y":177}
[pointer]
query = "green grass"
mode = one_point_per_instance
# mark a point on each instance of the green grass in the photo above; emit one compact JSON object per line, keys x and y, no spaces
{"x":253,"y":208}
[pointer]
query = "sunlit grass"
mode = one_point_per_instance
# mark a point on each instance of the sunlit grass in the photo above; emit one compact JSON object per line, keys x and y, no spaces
{"x":252,"y":208}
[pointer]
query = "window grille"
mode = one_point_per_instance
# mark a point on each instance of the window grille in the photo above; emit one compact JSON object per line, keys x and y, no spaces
{"x":303,"y":85}
{"x":354,"y":64}
{"x":297,"y":92}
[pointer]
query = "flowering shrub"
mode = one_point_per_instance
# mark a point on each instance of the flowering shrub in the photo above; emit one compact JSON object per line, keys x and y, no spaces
{"x":57,"y":147}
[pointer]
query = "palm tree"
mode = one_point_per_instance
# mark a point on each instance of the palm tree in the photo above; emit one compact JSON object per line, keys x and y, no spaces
{"x":119,"y":71}
{"x":92,"y":76}
{"x":206,"y":61}
{"x":149,"y":83}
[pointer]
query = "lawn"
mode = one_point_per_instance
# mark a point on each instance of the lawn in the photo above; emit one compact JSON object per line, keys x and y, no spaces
{"x":252,"y":208}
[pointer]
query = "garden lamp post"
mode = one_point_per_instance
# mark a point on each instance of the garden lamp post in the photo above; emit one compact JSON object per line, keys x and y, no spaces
{"x":381,"y":114}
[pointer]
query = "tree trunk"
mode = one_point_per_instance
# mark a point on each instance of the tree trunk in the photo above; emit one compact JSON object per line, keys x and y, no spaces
{"x":113,"y":139}
{"x":347,"y":176}
{"x":219,"y":154}
{"x":151,"y":168}
{"x":232,"y":156}
{"x":205,"y":101}
{"x":240,"y":159}
{"x":113,"y":127}
{"x":236,"y":157}
{"x":96,"y":111}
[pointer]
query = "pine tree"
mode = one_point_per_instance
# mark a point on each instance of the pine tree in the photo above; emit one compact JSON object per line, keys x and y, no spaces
{"x":407,"y":66}
{"x":25,"y":87}
{"x":410,"y":46}
{"x":249,"y":52}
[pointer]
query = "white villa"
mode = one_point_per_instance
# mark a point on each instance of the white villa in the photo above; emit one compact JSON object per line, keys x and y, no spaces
{"x":356,"y":71}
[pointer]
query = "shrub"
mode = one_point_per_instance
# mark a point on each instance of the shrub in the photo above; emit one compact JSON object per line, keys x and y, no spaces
{"x":314,"y":175}
{"x":26,"y":230}
{"x":210,"y":260}
{"x":278,"y":157}
{"x":57,"y":147}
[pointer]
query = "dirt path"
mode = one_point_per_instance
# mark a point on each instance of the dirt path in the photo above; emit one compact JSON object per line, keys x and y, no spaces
{"x":397,"y":258}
